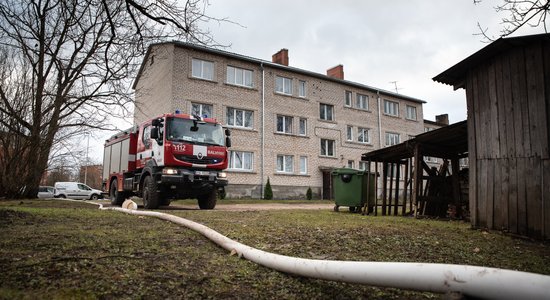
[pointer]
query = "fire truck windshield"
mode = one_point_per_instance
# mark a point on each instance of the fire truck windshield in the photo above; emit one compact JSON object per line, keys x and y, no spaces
{"x":184,"y":130}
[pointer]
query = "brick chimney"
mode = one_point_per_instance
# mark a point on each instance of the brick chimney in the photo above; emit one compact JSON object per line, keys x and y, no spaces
{"x":442,"y":119}
{"x":280,"y":57}
{"x":336,"y":72}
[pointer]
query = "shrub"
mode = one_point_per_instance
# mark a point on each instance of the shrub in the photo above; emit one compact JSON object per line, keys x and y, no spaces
{"x":309,"y":194}
{"x":268,"y":193}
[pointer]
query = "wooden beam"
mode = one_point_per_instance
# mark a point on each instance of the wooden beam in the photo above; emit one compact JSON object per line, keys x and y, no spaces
{"x":405,"y":185}
{"x":456,"y":186}
{"x":396,"y":201}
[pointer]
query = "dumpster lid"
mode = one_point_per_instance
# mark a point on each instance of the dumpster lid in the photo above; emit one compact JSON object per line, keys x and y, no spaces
{"x":341,"y":171}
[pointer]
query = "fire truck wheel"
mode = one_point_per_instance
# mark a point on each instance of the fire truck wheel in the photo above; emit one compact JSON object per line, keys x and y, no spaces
{"x":208,"y":201}
{"x":116,"y":197}
{"x":151,"y":198}
{"x":165,"y":202}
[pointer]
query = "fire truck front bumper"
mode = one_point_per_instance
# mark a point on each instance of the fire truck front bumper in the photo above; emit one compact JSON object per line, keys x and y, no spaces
{"x":183,"y":176}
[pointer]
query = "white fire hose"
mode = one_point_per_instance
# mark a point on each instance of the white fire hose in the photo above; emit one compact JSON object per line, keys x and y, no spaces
{"x":482,"y":282}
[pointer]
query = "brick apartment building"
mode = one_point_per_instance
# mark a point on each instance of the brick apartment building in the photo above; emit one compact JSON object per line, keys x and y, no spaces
{"x":290,"y":125}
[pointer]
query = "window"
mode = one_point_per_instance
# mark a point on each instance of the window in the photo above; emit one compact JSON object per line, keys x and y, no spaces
{"x":240,"y":160}
{"x":285,"y":163}
{"x":363,"y":135}
{"x":303,"y":164}
{"x":349,"y":133}
{"x":391,"y":108}
{"x":362,"y":165}
{"x":284,"y":124}
{"x":348,"y":99}
{"x":202,"y":69}
{"x":392,"y":138}
{"x":326,"y":112}
{"x":301,"y":89}
{"x":201,"y":109}
{"x":327,"y":147}
{"x":362,"y":102}
{"x":239,"y":76}
{"x":411,"y":112}
{"x":283,"y":85}
{"x":239,"y":117}
{"x":351,"y":164}
{"x":303,"y":126}
{"x":146,"y":138}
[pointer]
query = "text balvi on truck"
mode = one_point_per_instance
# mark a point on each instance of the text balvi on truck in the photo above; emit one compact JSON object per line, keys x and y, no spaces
{"x":173,"y":156}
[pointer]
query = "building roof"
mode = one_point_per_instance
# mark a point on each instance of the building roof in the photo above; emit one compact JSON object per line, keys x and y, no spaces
{"x":456,"y":74}
{"x":262,"y":62}
{"x":446,"y":142}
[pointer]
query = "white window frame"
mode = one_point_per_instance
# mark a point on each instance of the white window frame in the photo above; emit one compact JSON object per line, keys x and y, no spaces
{"x":287,"y":165}
{"x":348,"y":98}
{"x":349,"y":133}
{"x":392,"y":138}
{"x":302,"y":130}
{"x":286,"y":123}
{"x":365,"y":133}
{"x":201,"y":109}
{"x":362,"y":102}
{"x":324,"y":110}
{"x":363,"y":165}
{"x":283,"y":85}
{"x":202,"y":73}
{"x":351,"y":164}
{"x":410,"y":110}
{"x":302,"y":89}
{"x":238,"y":76}
{"x":244,"y":113}
{"x":303,"y":165}
{"x":391,"y":108}
{"x":330,"y":146}
{"x":244,"y":156}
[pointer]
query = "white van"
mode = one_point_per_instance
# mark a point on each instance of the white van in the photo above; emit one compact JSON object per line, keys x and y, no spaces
{"x":76,"y":190}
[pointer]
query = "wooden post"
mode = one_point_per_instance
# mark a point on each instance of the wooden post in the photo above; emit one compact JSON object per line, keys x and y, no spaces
{"x":384,"y":186}
{"x":456,"y":186}
{"x":417,"y":178}
{"x":396,"y":201}
{"x":390,"y":192}
{"x":366,"y":206}
{"x":405,"y":185}
{"x":376,"y":188}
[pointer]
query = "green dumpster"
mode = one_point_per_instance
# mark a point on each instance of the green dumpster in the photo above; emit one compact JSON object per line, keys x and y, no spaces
{"x":353,"y":188}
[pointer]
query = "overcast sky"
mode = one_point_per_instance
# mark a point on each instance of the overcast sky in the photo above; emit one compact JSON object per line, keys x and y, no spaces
{"x":378,"y":42}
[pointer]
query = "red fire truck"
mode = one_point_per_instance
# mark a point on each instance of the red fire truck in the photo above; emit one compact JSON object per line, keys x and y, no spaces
{"x":173,"y":156}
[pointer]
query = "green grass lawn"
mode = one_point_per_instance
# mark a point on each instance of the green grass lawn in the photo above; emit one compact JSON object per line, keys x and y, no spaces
{"x":57,"y":249}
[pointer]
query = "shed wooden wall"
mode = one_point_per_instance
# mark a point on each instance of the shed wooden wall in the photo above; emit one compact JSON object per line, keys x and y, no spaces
{"x":508,"y":100}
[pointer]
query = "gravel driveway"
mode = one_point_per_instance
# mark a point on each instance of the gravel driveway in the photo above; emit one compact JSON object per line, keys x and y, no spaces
{"x":259,"y":206}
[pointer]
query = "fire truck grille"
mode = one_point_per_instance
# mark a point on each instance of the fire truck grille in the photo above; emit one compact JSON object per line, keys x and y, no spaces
{"x":194,"y":160}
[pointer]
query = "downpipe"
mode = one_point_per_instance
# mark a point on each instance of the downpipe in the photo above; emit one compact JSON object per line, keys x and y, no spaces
{"x":482,"y":282}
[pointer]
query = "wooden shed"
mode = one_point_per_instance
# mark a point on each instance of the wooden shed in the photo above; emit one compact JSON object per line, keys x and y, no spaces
{"x":507,"y":87}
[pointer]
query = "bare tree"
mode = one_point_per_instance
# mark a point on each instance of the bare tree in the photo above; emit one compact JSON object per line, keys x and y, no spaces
{"x":520,"y":13}
{"x":66,"y":65}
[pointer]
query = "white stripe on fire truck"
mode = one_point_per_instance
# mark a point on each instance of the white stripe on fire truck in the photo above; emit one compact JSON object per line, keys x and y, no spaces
{"x":145,"y":154}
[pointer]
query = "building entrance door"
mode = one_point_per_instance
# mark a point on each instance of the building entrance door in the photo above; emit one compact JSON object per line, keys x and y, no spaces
{"x":327,"y":185}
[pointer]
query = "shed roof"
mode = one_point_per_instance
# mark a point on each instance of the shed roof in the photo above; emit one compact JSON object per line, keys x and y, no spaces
{"x":456,"y":74}
{"x":446,"y":142}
